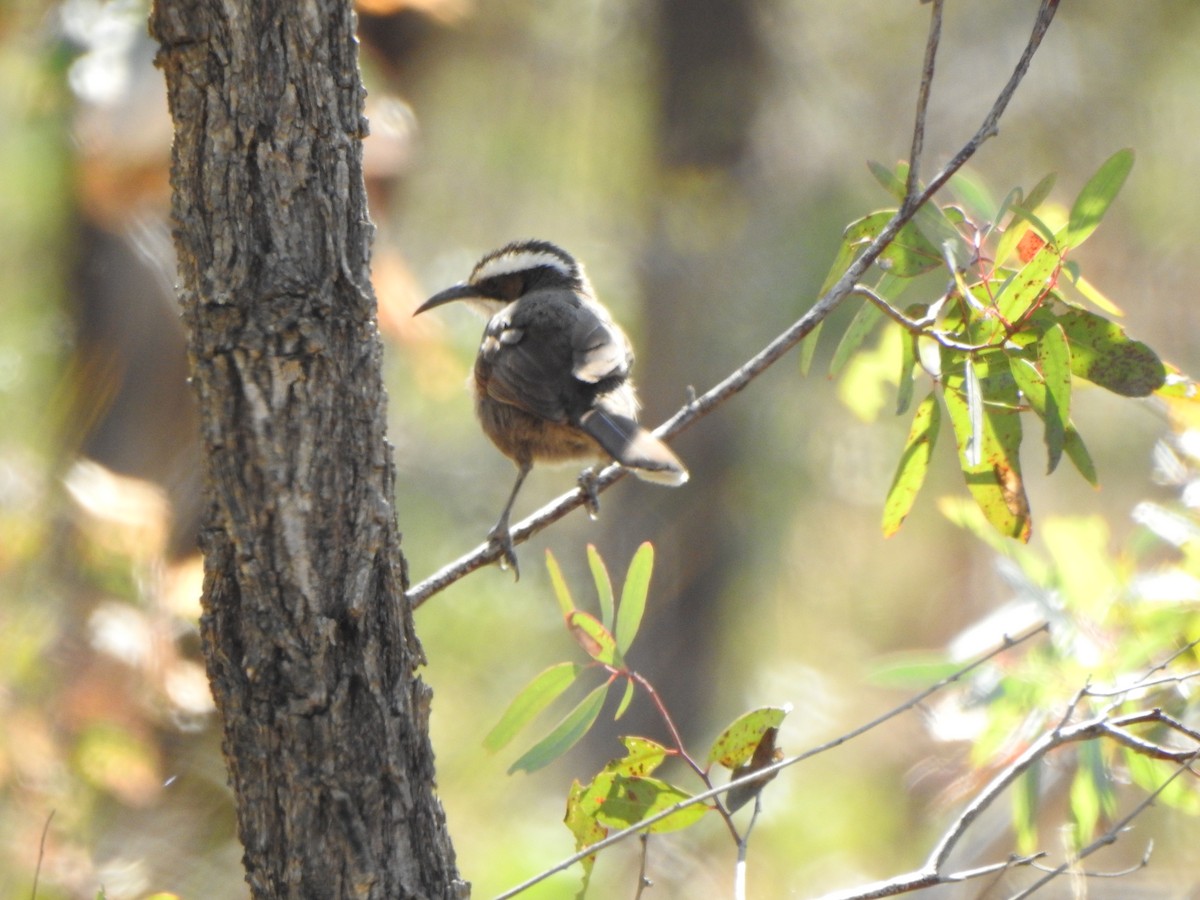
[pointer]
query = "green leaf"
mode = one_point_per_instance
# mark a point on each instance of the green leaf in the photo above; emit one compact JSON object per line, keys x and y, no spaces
{"x":938,"y":223}
{"x":1087,"y":574}
{"x":1054,"y":360}
{"x":1077,"y":452}
{"x":1091,"y":793}
{"x":633,"y":596}
{"x":623,"y":793}
{"x":973,"y":451}
{"x":1093,"y":201}
{"x":910,"y":671}
{"x":864,"y":321}
{"x":981,"y":400}
{"x":561,"y":592}
{"x":809,"y":349}
{"x":565,"y":735}
{"x":893,"y":182}
{"x":973,"y":192}
{"x":1150,"y":774}
{"x":1103,"y":354}
{"x":1046,"y":383}
{"x":736,"y":744}
{"x":908,"y":364}
{"x":847,"y":252}
{"x":642,"y":757}
{"x":914,"y":463}
{"x":543,"y":690}
{"x":1040,"y":192}
{"x":632,"y":798}
{"x":1025,"y":808}
{"x":908,"y":254}
{"x":604,"y":588}
{"x":1021,"y":294}
{"x":765,"y":755}
{"x":625,"y":699}
{"x":866,"y":385}
{"x":596,"y":640}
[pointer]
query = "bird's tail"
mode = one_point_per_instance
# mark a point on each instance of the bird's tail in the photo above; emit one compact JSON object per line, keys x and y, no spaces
{"x":634,"y":447}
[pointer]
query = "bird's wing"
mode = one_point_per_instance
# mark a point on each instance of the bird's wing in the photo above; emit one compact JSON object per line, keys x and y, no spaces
{"x":599,"y":349}
{"x":550,"y":358}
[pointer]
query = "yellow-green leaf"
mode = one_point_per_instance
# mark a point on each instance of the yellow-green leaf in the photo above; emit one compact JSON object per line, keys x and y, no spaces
{"x":1025,"y":808}
{"x":583,"y":825}
{"x":561,"y":592}
{"x":914,"y":463}
{"x":981,"y":400}
{"x":1020,"y":294}
{"x":737,"y":742}
{"x":632,"y":798}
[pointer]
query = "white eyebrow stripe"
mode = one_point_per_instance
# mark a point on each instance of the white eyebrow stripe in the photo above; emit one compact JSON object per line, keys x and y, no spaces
{"x":519,"y":261}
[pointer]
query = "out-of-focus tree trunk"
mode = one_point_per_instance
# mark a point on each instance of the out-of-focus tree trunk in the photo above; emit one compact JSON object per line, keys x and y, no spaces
{"x":711,"y":63}
{"x":310,"y":647}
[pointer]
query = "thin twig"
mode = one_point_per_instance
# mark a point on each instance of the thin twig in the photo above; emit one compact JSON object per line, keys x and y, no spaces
{"x":657,"y":700}
{"x":918,"y":140}
{"x":37,"y":871}
{"x":758,"y":775}
{"x":920,"y":327}
{"x":643,"y":881}
{"x":738,"y":380}
{"x":931,"y":873}
{"x":1119,"y":873}
{"x":1110,"y":836}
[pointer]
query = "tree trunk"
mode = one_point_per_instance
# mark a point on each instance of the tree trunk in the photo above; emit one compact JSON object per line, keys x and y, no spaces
{"x":310,"y":646}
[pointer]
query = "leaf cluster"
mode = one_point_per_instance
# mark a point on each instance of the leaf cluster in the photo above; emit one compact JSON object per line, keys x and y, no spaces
{"x":627,"y":790}
{"x":1012,"y":330}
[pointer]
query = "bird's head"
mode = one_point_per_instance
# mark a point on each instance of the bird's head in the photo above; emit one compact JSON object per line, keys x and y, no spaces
{"x":505,"y":275}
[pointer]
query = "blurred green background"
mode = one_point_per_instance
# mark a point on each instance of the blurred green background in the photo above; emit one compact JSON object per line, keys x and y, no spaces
{"x":701,"y":157}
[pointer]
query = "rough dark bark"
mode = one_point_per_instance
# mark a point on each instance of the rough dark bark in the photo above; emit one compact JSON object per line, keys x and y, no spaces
{"x":310,"y":647}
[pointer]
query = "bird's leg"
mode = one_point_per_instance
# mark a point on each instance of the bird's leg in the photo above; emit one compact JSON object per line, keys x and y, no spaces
{"x":591,"y":498}
{"x":500,"y":535}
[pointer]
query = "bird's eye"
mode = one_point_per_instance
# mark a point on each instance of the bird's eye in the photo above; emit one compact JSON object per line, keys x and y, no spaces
{"x":504,"y":287}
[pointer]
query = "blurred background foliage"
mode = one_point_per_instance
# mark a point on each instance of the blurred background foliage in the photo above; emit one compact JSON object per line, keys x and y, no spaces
{"x":702,"y":157}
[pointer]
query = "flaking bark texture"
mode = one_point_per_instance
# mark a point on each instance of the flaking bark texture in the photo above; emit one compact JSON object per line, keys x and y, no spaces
{"x":310,"y":646}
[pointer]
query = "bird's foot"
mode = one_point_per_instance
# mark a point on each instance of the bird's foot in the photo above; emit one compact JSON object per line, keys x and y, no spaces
{"x":501,"y":538}
{"x":591,"y":498}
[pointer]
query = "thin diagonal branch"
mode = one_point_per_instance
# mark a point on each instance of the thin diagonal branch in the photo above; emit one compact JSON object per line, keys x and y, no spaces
{"x":1092,"y":729}
{"x":1110,"y":836}
{"x":740,"y":379}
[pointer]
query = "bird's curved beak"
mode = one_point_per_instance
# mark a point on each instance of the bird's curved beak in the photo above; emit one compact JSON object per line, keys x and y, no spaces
{"x":463,"y":291}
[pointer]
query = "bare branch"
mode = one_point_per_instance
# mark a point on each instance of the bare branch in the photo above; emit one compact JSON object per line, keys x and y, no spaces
{"x":918,"y":138}
{"x":698,"y":407}
{"x":1092,"y":729}
{"x":1110,"y":836}
{"x":991,"y":122}
{"x":919,"y":327}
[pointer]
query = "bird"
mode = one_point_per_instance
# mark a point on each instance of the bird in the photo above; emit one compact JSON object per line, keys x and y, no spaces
{"x":551,"y":379}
